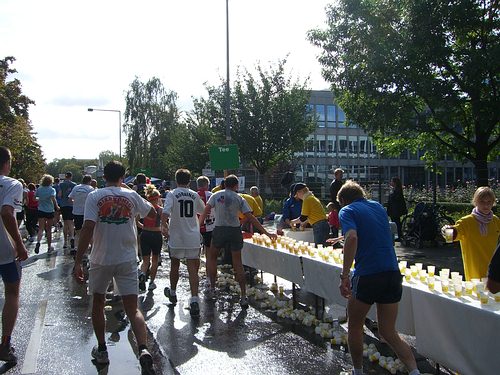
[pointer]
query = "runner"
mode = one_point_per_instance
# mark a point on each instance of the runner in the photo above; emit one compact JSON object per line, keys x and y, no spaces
{"x":206,"y":228}
{"x":78,"y":196}
{"x":110,"y":220}
{"x":12,"y":250}
{"x":181,"y":208}
{"x":151,"y":240}
{"x":31,"y":212}
{"x":57,"y":214}
{"x":47,"y":205}
{"x":227,"y":233}
{"x":67,"y":210}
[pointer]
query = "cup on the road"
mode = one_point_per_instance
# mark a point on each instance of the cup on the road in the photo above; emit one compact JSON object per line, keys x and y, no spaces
{"x":448,"y":235}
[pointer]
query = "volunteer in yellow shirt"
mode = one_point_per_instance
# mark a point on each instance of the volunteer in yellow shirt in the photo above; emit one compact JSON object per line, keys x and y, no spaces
{"x":313,"y":212}
{"x":478,"y":234}
{"x":254,"y":192}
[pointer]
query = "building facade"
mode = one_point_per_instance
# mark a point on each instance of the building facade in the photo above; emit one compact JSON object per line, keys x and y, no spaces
{"x":334,"y":145}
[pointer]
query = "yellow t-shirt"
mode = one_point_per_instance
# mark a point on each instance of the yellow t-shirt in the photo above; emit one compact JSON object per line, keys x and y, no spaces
{"x":313,"y":209}
{"x":216,"y":189}
{"x":477,"y":250}
{"x":259,"y":201}
{"x":256,"y":211}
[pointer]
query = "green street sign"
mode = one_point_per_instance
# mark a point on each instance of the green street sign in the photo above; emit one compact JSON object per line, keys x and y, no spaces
{"x":224,"y":157}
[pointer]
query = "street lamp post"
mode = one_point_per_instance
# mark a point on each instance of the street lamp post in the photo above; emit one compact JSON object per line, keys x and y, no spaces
{"x":120,"y":123}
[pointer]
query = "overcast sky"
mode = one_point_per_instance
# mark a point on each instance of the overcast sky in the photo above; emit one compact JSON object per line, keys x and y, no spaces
{"x":71,"y":55}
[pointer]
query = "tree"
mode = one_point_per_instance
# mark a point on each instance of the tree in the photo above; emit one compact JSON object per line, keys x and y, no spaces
{"x":16,"y":131}
{"x":268,"y":115}
{"x":75,"y":166}
{"x":106,"y":156}
{"x":419,"y":73}
{"x":150,"y":116}
{"x":189,"y":146}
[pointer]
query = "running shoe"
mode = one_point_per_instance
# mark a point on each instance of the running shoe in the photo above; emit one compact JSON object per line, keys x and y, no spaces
{"x":72,"y":243}
{"x":50,"y":249}
{"x":244,"y":302}
{"x":210,"y":293}
{"x":142,"y":281}
{"x":7,"y":354}
{"x":152,"y":286}
{"x":65,"y":246}
{"x":146,"y":361}
{"x":100,"y":356}
{"x":171,"y":297}
{"x":194,"y":309}
{"x":37,"y":248}
{"x":31,"y":238}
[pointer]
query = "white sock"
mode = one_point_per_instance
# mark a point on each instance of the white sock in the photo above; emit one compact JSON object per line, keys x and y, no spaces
{"x":357,"y":371}
{"x":414,"y":372}
{"x":172,"y":292}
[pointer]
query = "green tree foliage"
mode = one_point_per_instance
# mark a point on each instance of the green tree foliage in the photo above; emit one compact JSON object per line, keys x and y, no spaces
{"x":75,"y":166}
{"x":189,"y":146}
{"x":151,"y":114}
{"x":16,"y":131}
{"x":107,"y":156}
{"x":418,"y":73}
{"x":268,"y":115}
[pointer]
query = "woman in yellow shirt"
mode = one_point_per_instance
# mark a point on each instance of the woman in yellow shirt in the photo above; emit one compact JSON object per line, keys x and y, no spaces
{"x":478,"y":234}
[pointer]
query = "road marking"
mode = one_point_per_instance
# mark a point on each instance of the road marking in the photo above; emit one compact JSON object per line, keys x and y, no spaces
{"x":30,"y":360}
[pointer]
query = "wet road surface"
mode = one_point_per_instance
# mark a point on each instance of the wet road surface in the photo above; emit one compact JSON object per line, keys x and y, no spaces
{"x":54,"y":332}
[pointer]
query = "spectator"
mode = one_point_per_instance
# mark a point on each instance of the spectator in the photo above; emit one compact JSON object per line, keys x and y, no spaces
{"x":493,"y":283}
{"x":478,"y":234}
{"x":396,"y":205}
{"x":333,"y":219}
{"x":376,"y":277}
{"x":335,"y":187}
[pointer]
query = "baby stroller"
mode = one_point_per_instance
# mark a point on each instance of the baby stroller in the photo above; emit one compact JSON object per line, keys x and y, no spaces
{"x":424,"y":225}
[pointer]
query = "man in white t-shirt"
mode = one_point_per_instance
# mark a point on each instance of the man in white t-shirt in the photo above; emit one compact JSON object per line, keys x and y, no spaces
{"x":12,"y":250}
{"x":79,"y":195}
{"x":227,"y":233}
{"x":180,"y":225}
{"x":110,"y":220}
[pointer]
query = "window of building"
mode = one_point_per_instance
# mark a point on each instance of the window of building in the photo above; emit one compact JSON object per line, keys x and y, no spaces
{"x":342,"y":145}
{"x":310,"y":146}
{"x":330,"y":144}
{"x":353,"y":145}
{"x":363,"y":146}
{"x":340,"y":118}
{"x":321,"y":144}
{"x":320,"y":115}
{"x":330,"y":116}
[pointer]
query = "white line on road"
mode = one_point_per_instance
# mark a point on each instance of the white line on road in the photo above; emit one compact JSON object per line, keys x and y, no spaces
{"x":30,"y":360}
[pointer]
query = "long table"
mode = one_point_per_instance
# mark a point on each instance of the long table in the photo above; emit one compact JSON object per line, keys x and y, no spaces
{"x":461,"y":334}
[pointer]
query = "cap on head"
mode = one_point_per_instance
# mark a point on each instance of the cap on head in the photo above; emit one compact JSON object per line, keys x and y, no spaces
{"x":298,"y":186}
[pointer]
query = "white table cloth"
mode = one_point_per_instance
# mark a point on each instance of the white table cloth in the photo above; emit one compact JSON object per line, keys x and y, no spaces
{"x":279,"y":263}
{"x":460,"y":333}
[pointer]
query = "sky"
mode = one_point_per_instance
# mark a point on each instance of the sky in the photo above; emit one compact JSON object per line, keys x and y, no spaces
{"x":72,"y":55}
